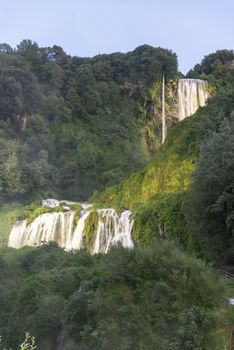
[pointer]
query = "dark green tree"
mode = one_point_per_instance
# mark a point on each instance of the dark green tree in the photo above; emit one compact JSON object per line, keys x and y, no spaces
{"x":210,"y":205}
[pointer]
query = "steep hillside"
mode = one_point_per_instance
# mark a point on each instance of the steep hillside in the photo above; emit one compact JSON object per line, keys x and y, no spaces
{"x":165,"y":200}
{"x":170,"y":170}
{"x":70,"y":125}
{"x":72,"y":141}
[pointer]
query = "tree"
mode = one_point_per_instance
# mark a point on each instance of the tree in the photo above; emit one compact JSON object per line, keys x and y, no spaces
{"x":209,"y":208}
{"x":30,"y":51}
{"x":5,"y":48}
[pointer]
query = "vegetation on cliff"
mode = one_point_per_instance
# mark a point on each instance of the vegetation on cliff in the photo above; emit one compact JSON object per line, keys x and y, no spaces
{"x":70,"y":125}
{"x":167,"y":192}
{"x":87,"y":124}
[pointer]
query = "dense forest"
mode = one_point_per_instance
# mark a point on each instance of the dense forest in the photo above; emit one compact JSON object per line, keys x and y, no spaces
{"x":146,"y":298}
{"x":70,"y":126}
{"x":74,"y":127}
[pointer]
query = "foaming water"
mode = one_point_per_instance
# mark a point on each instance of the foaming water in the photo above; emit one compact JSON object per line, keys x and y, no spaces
{"x":191,"y":94}
{"x":62,"y":229}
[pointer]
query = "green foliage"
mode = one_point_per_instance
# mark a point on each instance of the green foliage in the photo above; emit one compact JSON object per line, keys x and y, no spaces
{"x":90,"y":229}
{"x":209,"y":206}
{"x":9,"y":214}
{"x":37,"y":212}
{"x":215,"y":65}
{"x":31,"y":215}
{"x":69,"y":125}
{"x":156,"y":194}
{"x":77,"y":209}
{"x":146,"y":298}
{"x":168,"y":172}
{"x":161,"y":217}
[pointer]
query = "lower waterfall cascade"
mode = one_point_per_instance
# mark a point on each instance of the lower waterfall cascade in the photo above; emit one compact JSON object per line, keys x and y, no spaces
{"x":61,"y":227}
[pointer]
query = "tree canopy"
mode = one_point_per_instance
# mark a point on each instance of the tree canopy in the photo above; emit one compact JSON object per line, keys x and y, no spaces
{"x":74,"y":125}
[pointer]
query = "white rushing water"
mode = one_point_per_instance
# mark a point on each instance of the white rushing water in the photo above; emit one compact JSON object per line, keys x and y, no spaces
{"x":47,"y":227}
{"x":77,"y":240}
{"x":53,"y":203}
{"x":113,"y":229}
{"x":191,"y":94}
{"x":61,"y":228}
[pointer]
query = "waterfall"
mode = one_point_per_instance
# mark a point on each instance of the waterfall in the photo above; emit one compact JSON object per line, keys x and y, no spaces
{"x":113,"y":229}
{"x":60,"y":227}
{"x":53,"y":203}
{"x":16,"y":238}
{"x":191,"y":94}
{"x":77,"y":242}
{"x":46,"y":227}
{"x":164,"y":126}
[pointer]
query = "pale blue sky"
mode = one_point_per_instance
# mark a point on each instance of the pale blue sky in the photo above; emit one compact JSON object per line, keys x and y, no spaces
{"x":191,"y":28}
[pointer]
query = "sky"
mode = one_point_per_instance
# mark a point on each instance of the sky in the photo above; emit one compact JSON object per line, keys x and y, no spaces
{"x":190,"y":28}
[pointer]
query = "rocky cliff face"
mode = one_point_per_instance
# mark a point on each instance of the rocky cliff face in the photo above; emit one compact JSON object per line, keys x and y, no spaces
{"x":182,"y":98}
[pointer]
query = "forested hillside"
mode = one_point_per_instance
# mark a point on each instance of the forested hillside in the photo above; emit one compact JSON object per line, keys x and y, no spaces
{"x":170,"y":170}
{"x":70,"y":125}
{"x":154,"y":298}
{"x":186,"y":191}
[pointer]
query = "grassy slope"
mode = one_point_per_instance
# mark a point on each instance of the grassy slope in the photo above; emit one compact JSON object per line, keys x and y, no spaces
{"x":168,"y":172}
{"x":156,"y":194}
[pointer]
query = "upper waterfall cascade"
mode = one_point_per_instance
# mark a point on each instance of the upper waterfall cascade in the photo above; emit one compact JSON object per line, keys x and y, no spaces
{"x":61,"y":227}
{"x":191,"y":94}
